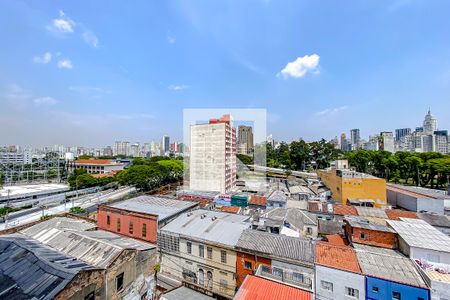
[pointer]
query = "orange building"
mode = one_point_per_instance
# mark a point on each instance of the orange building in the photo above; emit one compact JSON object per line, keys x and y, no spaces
{"x":247,"y":264}
{"x":141,"y":217}
{"x":359,"y":230}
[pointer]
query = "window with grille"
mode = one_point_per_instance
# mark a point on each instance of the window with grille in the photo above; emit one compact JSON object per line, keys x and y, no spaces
{"x":130,"y":229}
{"x":209,"y":252}
{"x":189,"y":247}
{"x":326,"y":285}
{"x":201,"y":250}
{"x":352,"y":292}
{"x":144,"y":230}
{"x":223,"y":256}
{"x":297,"y":277}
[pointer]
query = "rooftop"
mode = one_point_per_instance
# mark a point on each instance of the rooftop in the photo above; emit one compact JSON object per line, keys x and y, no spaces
{"x":277,"y":196}
{"x":360,"y":222}
{"x":294,"y":216}
{"x":263,"y":289}
{"x":184,"y":293}
{"x":231,"y":209}
{"x":435,"y":220}
{"x":396,"y":214}
{"x":330,"y":227}
{"x":97,"y":248}
{"x":344,"y":210}
{"x":277,"y":245}
{"x":388,"y":264}
{"x":371,"y":212}
{"x":96,"y":162}
{"x":300,"y":189}
{"x":212,"y":226}
{"x":30,"y":270}
{"x":258,"y":200}
{"x":162,"y":207}
{"x":419,"y":192}
{"x":19,"y":190}
{"x":337,"y":256}
{"x":420,"y":234}
{"x":435,"y":271}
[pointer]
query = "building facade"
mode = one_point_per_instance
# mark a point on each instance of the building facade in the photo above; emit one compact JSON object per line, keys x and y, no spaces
{"x":245,"y":140}
{"x":96,"y":166}
{"x":213,"y":155}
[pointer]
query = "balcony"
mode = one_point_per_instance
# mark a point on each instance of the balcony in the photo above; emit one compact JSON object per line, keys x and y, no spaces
{"x":289,"y":277}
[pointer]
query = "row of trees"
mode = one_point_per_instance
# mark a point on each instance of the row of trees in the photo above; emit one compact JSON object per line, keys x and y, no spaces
{"x":425,"y":169}
{"x":301,"y":155}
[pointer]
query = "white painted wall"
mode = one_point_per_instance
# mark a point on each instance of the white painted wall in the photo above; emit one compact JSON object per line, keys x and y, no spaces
{"x":424,"y":254}
{"x":340,"y":280}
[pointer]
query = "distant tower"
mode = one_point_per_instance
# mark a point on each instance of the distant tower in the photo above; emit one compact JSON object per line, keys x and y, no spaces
{"x":430,"y":123}
{"x":355,"y":136}
{"x":344,"y":142}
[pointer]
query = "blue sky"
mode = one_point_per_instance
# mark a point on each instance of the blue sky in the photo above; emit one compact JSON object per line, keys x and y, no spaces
{"x":91,"y":72}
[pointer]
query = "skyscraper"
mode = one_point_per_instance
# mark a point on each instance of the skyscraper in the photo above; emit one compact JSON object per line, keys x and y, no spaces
{"x":429,"y":123}
{"x":212,"y":163}
{"x":354,"y":136}
{"x":344,"y":142}
{"x":165,"y":144}
{"x":387,"y":141}
{"x":245,"y":139}
{"x":399,"y":133}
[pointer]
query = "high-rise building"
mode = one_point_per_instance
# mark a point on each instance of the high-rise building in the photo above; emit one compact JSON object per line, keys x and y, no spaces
{"x":441,"y":141}
{"x":399,"y":133}
{"x":387,"y":141}
{"x":355,"y":136}
{"x":245,"y":139}
{"x":429,"y":123}
{"x":344,"y":143}
{"x":108,"y":151}
{"x":165,"y":144}
{"x":212,"y":163}
{"x":135,"y":150}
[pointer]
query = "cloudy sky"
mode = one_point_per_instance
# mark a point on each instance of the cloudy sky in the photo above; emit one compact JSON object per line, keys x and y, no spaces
{"x":91,"y":72}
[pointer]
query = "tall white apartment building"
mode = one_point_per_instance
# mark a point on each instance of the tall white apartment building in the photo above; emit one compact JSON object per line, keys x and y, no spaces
{"x":212,"y":164}
{"x":387,"y":141}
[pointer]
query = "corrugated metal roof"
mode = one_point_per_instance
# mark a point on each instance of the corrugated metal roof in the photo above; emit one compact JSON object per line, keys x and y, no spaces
{"x":97,"y":248}
{"x":337,"y":256}
{"x":257,"y":288}
{"x":420,"y":192}
{"x":420,"y":234}
{"x":162,"y":207}
{"x":212,"y":226}
{"x":330,"y":227}
{"x":294,"y":216}
{"x":371,"y":212}
{"x":388,"y":264}
{"x":297,"y":189}
{"x":276,"y":245}
{"x":277,"y":196}
{"x":184,"y":293}
{"x":30,"y":270}
{"x":435,"y":220}
{"x":360,"y":222}
{"x":59,"y":223}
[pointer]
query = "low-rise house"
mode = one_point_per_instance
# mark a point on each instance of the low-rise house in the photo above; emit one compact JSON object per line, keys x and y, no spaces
{"x":440,"y":222}
{"x":264,"y":289}
{"x":341,"y":211}
{"x":140,"y":217}
{"x":31,"y":270}
{"x":277,"y":199}
{"x":374,"y":215}
{"x":257,"y":201}
{"x":294,"y":220}
{"x":338,"y":275}
{"x":198,"y":248}
{"x":420,"y":240}
{"x":126,"y":264}
{"x":203,"y":197}
{"x":326,"y":227}
{"x":390,"y":275}
{"x":281,"y":258}
{"x":301,"y":192}
{"x":361,"y":231}
{"x":437,"y":277}
{"x":184,"y":293}
{"x":94,"y":166}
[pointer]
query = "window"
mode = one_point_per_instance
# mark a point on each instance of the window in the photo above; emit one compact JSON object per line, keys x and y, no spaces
{"x":352,"y":292}
{"x":130,"y":229}
{"x":308,"y":230}
{"x":189,"y":247}
{"x":396,"y":295}
{"x":375,"y":289}
{"x":247,"y":264}
{"x":277,"y":272}
{"x":326,"y":285}
{"x":297,"y":277}
{"x":362,"y":236}
{"x":108,"y":220}
{"x":144,"y":230}
{"x":119,"y":282}
{"x":209,"y":252}
{"x":223,"y":256}
{"x":90,"y":296}
{"x":201,"y":250}
{"x":118,"y":224}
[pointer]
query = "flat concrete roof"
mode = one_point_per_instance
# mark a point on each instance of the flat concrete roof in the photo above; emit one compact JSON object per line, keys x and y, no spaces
{"x":19,"y":190}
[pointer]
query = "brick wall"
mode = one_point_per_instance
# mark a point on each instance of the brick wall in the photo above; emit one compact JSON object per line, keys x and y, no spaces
{"x":371,"y":237}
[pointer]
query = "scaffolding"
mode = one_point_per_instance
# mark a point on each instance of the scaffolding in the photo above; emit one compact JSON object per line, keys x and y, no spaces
{"x":48,"y":167}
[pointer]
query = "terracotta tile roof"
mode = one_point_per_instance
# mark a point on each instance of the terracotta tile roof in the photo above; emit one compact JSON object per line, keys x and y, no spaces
{"x":336,"y":256}
{"x":257,"y":288}
{"x":336,"y":239}
{"x":396,"y":214}
{"x":258,"y":200}
{"x":343,"y":210}
{"x":231,"y":209}
{"x":94,"y":161}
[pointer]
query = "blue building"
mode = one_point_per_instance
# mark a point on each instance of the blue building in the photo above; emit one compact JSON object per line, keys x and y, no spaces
{"x":377,"y":288}
{"x":390,"y":275}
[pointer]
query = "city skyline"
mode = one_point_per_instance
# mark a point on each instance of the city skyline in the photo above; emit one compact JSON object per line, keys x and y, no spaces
{"x":87,"y":77}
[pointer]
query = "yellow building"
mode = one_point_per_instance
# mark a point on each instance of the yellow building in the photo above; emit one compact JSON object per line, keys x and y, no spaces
{"x":351,"y":186}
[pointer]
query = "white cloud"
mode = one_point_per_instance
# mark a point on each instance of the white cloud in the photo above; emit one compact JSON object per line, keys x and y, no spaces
{"x":171,"y":40}
{"x":63,"y":23}
{"x":331,"y":111}
{"x":178,"y":87}
{"x":65,"y":64}
{"x":45,"y":101}
{"x":44,"y":59}
{"x":90,"y":38}
{"x":301,"y":66}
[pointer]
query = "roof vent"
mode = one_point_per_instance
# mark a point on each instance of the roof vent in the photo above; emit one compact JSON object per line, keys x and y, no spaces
{"x":213,"y":218}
